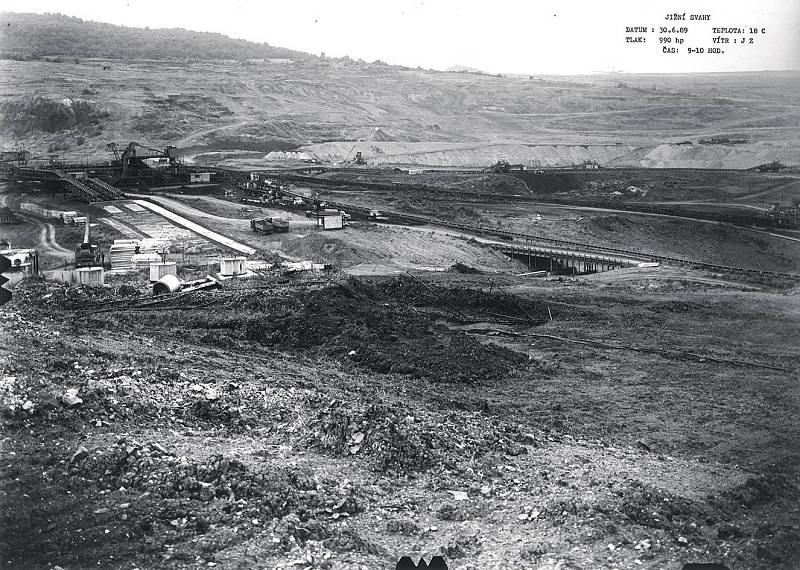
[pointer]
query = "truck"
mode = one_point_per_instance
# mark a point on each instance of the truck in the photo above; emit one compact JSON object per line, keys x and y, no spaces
{"x":266,"y":226}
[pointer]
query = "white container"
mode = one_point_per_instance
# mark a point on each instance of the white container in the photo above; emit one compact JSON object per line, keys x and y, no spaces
{"x":167,"y":284}
{"x":93,"y":276}
{"x":64,"y":276}
{"x":330,"y":222}
{"x":232,"y":266}
{"x":159,"y":270}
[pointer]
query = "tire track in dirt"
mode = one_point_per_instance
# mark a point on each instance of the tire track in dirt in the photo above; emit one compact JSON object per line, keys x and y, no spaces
{"x":47,"y":238}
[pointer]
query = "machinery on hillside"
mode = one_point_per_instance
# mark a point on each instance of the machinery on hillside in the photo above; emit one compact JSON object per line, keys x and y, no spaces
{"x":774,"y":166}
{"x":502,"y":166}
{"x":266,"y":226}
{"x":359,"y":159}
{"x":132,"y":158}
{"x":86,"y":254}
{"x":15,"y":157}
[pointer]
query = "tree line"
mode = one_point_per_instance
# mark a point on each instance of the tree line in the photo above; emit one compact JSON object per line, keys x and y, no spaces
{"x":34,"y":36}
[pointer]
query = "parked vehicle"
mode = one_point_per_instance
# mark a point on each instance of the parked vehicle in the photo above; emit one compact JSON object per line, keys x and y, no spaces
{"x":266,"y":226}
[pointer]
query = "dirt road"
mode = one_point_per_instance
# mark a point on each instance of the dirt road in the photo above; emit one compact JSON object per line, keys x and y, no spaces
{"x":47,"y":239}
{"x":707,"y":203}
{"x":47,"y":232}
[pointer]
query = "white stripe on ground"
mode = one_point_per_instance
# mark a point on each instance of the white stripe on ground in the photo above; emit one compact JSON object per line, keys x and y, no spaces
{"x":122,"y":228}
{"x":196,"y":228}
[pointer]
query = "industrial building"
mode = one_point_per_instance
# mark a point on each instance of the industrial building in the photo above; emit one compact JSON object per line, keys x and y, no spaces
{"x":24,"y":261}
{"x":8,"y":217}
{"x":785,"y":215}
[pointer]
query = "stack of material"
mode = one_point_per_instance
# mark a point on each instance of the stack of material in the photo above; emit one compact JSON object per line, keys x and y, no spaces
{"x":121,"y":252}
{"x":292,"y":267}
{"x":143,"y":260}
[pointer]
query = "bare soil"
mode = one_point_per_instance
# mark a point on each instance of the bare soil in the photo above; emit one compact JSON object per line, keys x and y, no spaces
{"x":217,"y":106}
{"x":341,"y":423}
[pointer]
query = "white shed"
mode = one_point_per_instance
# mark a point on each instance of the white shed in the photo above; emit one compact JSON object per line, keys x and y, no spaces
{"x":199,"y":177}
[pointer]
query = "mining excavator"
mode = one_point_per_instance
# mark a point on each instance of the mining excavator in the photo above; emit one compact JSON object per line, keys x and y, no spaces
{"x":132,"y":155}
{"x":359,"y":159}
{"x":502,"y":166}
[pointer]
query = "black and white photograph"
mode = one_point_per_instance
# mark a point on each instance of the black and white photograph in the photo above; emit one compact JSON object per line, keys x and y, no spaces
{"x":362,"y":285}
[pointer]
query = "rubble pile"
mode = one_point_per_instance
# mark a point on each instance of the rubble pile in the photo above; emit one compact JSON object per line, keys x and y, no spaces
{"x":397,"y":439}
{"x":151,"y":468}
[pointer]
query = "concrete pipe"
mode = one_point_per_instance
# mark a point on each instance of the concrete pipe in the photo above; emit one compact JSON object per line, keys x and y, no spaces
{"x":167,"y":284}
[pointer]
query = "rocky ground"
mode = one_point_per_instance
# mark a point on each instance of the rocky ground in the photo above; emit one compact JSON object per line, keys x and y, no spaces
{"x":333,"y":422}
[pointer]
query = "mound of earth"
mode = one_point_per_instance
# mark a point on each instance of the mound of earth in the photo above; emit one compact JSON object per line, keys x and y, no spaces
{"x":280,"y":155}
{"x":371,"y":326}
{"x":463,"y":154}
{"x":319,"y":247}
{"x":738,"y":156}
{"x":386,"y":327}
{"x":20,"y":116}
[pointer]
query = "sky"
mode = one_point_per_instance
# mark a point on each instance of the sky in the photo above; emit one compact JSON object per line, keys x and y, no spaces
{"x":501,"y":36}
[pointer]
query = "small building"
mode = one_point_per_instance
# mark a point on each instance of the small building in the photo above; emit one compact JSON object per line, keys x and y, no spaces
{"x":20,"y":157}
{"x":40,"y":211}
{"x":329,"y":219}
{"x":22,"y":260}
{"x":199,"y":177}
{"x":69,"y":216}
{"x":7,"y":217}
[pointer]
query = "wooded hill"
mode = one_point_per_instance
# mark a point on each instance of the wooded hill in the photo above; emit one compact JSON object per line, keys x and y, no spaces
{"x":32,"y":36}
